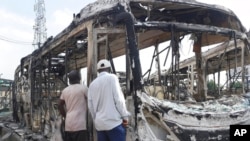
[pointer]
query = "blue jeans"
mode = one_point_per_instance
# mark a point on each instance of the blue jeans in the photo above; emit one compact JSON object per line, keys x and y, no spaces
{"x":116,"y":134}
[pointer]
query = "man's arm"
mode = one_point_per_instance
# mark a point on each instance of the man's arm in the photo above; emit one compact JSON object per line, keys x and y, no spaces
{"x":120,"y":100}
{"x":61,"y":108}
{"x":90,"y":104}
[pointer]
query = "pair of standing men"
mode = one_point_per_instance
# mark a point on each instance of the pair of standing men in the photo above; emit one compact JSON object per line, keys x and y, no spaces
{"x":106,"y":104}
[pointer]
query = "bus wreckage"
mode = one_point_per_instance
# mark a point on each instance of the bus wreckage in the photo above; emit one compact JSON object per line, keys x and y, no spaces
{"x":172,"y":104}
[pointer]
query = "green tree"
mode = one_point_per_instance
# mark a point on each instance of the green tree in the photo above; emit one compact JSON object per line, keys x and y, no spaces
{"x":236,"y":84}
{"x":211,"y":85}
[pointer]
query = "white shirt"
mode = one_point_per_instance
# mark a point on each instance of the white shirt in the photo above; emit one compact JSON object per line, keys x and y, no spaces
{"x":75,"y":97}
{"x":106,"y":102}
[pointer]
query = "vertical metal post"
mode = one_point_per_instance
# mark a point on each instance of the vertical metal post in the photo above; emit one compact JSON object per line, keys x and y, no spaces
{"x":91,"y":72}
{"x":128,"y":72}
{"x":158,"y":63}
{"x":243,"y":68}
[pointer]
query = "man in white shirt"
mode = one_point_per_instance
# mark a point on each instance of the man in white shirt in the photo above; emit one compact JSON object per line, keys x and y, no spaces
{"x":106,"y":104}
{"x":74,"y":98}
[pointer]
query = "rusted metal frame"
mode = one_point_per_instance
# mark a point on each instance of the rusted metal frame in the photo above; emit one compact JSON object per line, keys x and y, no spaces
{"x":247,"y":44}
{"x":200,"y":67}
{"x":66,"y":61}
{"x":235,"y":51}
{"x":42,"y":99}
{"x":228,"y":76}
{"x":135,"y":66}
{"x":175,"y":61}
{"x":155,"y":54}
{"x":178,"y":69}
{"x":104,"y":38}
{"x":91,"y":69}
{"x":214,"y":90}
{"x":243,"y":69}
{"x":131,"y":43}
{"x":108,"y":53}
{"x":37,"y":89}
{"x":191,"y":77}
{"x":206,"y":75}
{"x":166,"y":93}
{"x":160,"y":51}
{"x":166,"y":77}
{"x":60,"y":40}
{"x":106,"y":47}
{"x":49,"y":83}
{"x":158,"y":63}
{"x":31,"y":79}
{"x":247,"y":81}
{"x":221,"y":59}
{"x":108,"y":31}
{"x":235,"y":77}
{"x":75,"y":59}
{"x":219,"y":69}
{"x":151,"y":64}
{"x":14,"y":100}
{"x":91,"y":58}
{"x":208,"y":54}
{"x":166,"y":55}
{"x":94,"y":42}
{"x":236,"y":60}
{"x":37,"y":69}
{"x":97,"y":31}
{"x":172,"y":84}
{"x":128,"y":73}
{"x":189,"y":27}
{"x":110,"y":56}
{"x":235,"y":72}
{"x":45,"y":77}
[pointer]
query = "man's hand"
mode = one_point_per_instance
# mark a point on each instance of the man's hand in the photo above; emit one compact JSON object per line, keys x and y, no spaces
{"x":61,"y":104}
{"x":125,"y":123}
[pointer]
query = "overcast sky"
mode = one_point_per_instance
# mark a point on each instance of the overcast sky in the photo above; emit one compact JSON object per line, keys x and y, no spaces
{"x":17,"y":18}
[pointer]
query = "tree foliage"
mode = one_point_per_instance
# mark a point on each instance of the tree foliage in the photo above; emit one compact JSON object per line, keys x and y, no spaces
{"x":236,"y":84}
{"x":211,"y":85}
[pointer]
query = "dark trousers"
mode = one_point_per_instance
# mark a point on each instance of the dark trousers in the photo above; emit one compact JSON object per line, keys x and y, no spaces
{"x":76,"y":135}
{"x":116,"y":134}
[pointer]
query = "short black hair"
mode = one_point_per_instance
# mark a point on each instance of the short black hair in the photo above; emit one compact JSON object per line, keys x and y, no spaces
{"x":74,"y":77}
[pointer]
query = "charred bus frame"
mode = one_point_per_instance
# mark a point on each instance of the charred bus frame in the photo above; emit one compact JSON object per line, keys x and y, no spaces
{"x":109,"y":29}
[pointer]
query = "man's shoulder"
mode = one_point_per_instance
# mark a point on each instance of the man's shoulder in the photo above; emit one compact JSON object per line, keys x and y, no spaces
{"x":65,"y":89}
{"x":111,"y":75}
{"x":79,"y":86}
{"x":93,"y":82}
{"x":73,"y":86}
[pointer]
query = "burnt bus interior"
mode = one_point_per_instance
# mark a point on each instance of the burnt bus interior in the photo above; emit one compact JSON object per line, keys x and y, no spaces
{"x":223,"y":57}
{"x":5,"y":94}
{"x":107,"y":29}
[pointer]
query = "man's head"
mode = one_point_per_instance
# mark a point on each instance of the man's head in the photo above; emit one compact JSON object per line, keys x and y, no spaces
{"x":74,"y":77}
{"x":103,"y":65}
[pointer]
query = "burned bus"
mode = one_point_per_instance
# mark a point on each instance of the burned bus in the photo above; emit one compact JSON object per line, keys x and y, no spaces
{"x":126,"y":28}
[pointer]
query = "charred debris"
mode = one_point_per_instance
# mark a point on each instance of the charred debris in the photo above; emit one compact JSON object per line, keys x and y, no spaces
{"x":166,"y":105}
